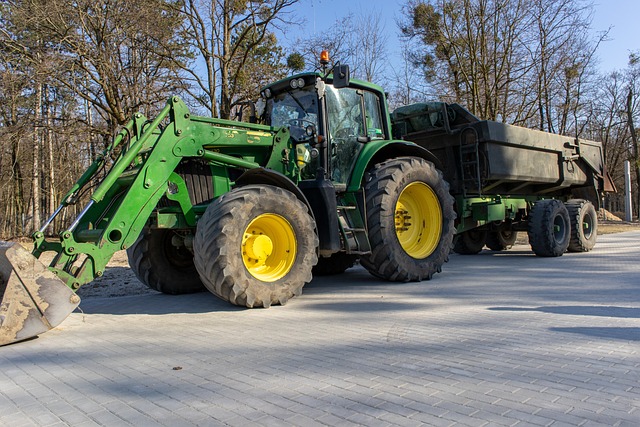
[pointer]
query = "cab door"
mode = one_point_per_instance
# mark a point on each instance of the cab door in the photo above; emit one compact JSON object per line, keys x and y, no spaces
{"x":353,"y":119}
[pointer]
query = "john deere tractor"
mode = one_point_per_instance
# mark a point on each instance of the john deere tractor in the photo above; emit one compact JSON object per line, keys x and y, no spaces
{"x":249,"y":211}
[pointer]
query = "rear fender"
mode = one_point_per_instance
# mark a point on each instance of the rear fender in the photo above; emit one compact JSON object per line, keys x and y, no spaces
{"x":378,"y":151}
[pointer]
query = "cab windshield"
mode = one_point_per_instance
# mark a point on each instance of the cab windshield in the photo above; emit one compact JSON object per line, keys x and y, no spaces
{"x":296,"y":109}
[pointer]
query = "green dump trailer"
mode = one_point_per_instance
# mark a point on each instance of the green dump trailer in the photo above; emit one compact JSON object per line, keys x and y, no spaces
{"x":507,"y":179}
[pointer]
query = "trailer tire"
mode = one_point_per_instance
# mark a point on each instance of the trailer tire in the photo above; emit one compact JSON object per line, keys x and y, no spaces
{"x":469,"y":242}
{"x":501,"y":240}
{"x":549,"y":228}
{"x":335,"y":264}
{"x":161,"y":265}
{"x":410,"y":220}
{"x":255,"y":246}
{"x":584,"y":225}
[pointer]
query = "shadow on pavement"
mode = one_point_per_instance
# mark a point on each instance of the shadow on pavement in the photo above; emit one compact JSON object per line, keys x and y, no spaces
{"x":201,"y":302}
{"x":626,"y":334}
{"x":577,"y":310}
{"x":378,"y":306}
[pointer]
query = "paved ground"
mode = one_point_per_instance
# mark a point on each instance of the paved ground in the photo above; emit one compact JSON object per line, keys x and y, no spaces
{"x":496,"y":339}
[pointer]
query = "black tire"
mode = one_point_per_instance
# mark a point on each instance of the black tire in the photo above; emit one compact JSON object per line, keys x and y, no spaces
{"x":549,"y":228}
{"x":222,"y":249}
{"x":335,"y":264}
{"x":389,"y":187}
{"x":161,"y":265}
{"x":469,"y":242}
{"x":584,"y":225}
{"x":501,"y":240}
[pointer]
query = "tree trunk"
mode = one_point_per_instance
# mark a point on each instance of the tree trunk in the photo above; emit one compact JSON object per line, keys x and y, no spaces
{"x":225,"y":95}
{"x":18,"y":195}
{"x":52,"y":166}
{"x":634,"y":143}
{"x":35,"y":148}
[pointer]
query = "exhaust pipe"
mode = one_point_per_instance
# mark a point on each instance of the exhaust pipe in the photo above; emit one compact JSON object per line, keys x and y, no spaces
{"x":32,"y":298}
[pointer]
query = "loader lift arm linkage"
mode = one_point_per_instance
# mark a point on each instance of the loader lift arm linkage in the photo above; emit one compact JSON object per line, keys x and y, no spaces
{"x":121,"y":205}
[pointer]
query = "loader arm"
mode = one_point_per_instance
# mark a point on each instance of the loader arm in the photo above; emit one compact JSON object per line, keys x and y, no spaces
{"x":123,"y":202}
{"x":121,"y":205}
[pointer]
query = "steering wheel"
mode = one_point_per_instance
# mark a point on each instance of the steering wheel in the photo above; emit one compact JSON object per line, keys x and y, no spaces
{"x":298,"y":128}
{"x":301,"y":123}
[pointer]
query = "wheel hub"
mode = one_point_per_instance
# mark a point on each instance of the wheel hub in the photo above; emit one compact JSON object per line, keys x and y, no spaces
{"x":258,"y":247}
{"x":269,"y":247}
{"x":418,"y":220}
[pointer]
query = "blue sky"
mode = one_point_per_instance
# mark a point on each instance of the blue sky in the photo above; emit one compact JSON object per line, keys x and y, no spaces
{"x":621,"y":15}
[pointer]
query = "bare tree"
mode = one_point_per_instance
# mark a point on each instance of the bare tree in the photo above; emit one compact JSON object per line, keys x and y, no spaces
{"x":359,"y":40}
{"x":112,"y":53}
{"x":472,"y":50}
{"x":507,"y":60}
{"x":108,"y":53}
{"x":336,"y":39}
{"x":224,"y":37}
{"x":407,"y":86}
{"x":370,"y":45}
{"x":632,"y":110}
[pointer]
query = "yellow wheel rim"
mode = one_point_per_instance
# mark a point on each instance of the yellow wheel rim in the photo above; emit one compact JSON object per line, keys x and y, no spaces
{"x":418,"y":220}
{"x":269,"y":247}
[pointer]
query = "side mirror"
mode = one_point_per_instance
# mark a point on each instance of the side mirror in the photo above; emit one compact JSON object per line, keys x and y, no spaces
{"x":341,"y":76}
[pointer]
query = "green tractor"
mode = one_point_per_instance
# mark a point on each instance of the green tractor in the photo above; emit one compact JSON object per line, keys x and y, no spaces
{"x":249,"y":211}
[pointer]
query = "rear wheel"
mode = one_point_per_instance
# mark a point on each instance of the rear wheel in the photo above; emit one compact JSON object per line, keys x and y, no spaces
{"x":335,"y":264}
{"x":160,"y":260}
{"x":549,"y":228}
{"x":584,"y":225}
{"x":470,"y":242}
{"x":410,"y":220}
{"x":255,"y":246}
{"x":501,"y":240}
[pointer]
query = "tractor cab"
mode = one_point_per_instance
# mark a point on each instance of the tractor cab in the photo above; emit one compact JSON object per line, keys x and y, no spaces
{"x":330,"y":118}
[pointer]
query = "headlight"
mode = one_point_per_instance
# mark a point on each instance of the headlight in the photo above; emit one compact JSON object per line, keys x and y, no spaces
{"x":296,"y":83}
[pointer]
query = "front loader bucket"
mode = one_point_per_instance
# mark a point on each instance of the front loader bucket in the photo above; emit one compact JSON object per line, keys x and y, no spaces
{"x":33,"y":300}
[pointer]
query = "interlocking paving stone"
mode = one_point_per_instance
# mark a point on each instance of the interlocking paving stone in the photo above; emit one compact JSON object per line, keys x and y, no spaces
{"x":496,"y":339}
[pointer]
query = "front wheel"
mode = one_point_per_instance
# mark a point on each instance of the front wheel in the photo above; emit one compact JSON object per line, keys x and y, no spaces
{"x":410,"y":220}
{"x":255,"y":246}
{"x":161,"y":261}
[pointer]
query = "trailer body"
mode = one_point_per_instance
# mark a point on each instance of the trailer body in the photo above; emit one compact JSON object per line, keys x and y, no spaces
{"x":497,"y":172}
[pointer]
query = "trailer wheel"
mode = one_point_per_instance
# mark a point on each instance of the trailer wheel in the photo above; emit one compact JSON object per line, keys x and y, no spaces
{"x":501,"y":240}
{"x":255,"y":246}
{"x":161,"y":265}
{"x":469,"y":242}
{"x":335,"y":264}
{"x":584,"y":225}
{"x":549,"y":228}
{"x":410,"y":219}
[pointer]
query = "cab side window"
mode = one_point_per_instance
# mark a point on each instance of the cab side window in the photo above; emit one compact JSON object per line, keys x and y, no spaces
{"x":346,"y":123}
{"x":354,"y":117}
{"x":375,"y":128}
